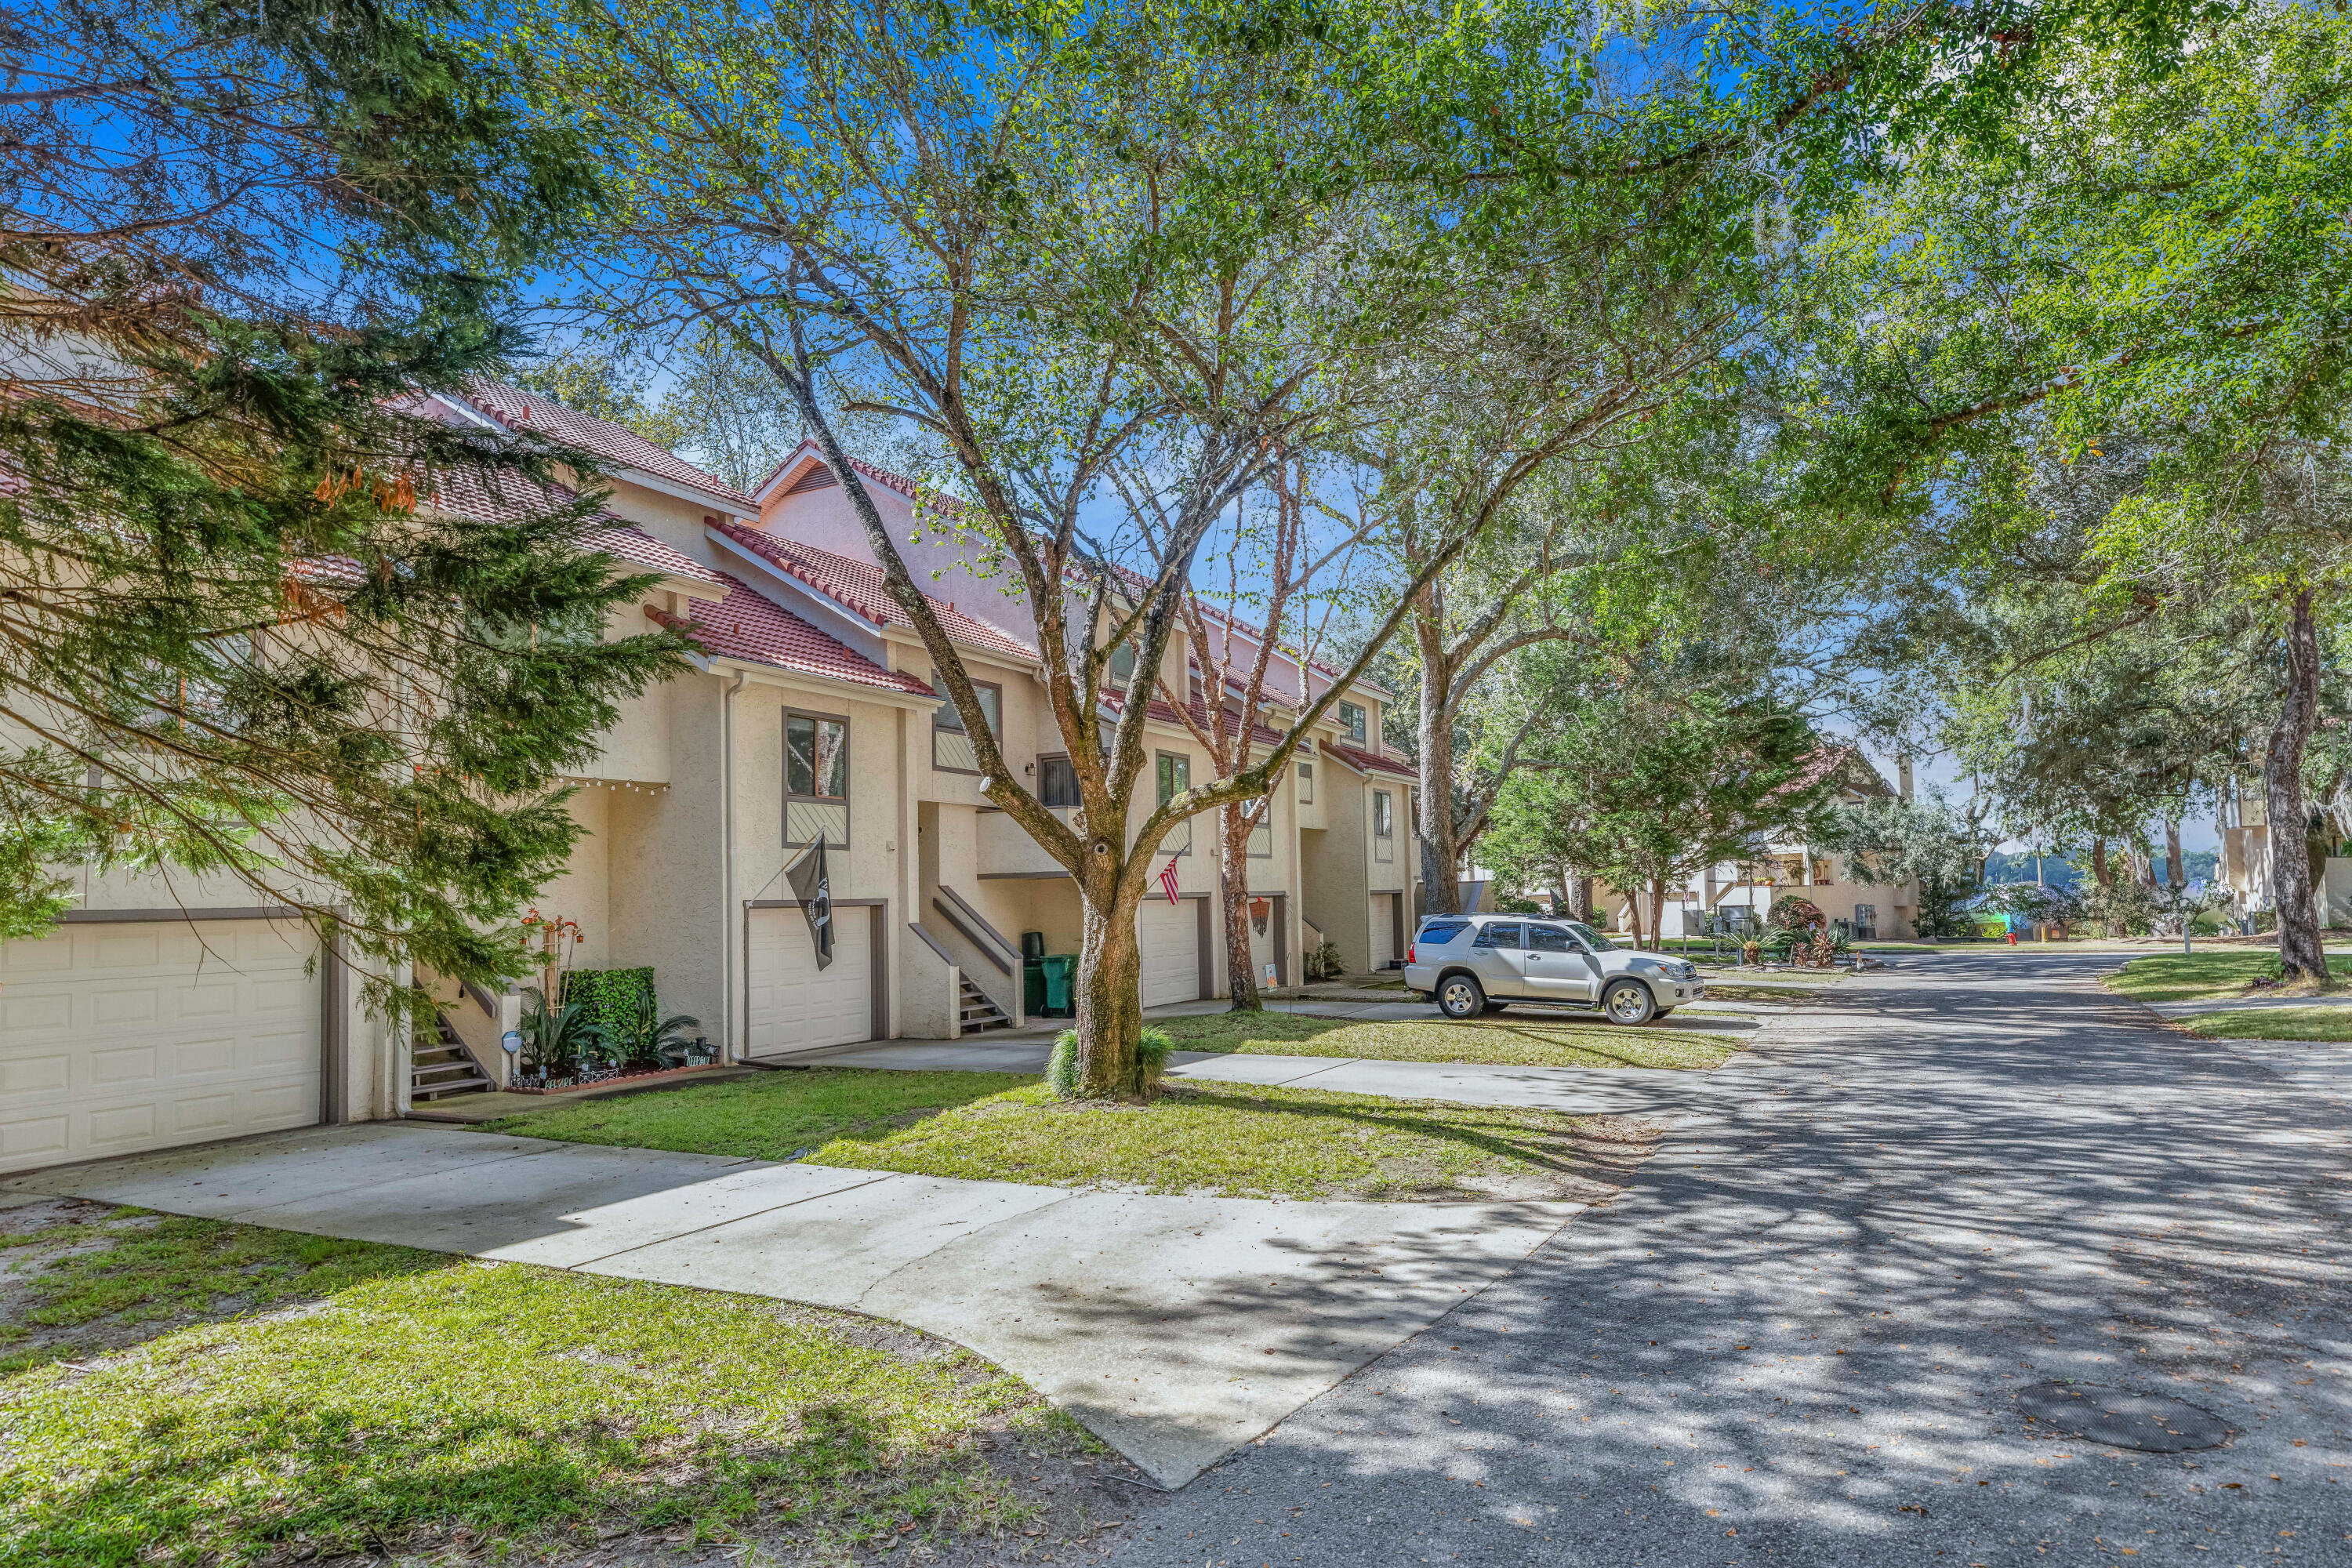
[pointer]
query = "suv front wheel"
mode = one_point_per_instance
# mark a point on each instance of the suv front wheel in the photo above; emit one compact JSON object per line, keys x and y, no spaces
{"x":1459,"y":996}
{"x":1629,"y":1002}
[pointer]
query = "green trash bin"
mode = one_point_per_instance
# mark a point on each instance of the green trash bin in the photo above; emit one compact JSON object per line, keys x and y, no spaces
{"x":1060,"y":967}
{"x":1032,"y":987}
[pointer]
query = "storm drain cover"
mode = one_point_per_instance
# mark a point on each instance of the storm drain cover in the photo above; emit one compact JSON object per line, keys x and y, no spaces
{"x":2121,"y":1418}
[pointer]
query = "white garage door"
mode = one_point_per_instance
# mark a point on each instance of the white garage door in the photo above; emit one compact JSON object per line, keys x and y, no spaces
{"x":1170,"y":935}
{"x":1383,"y":929}
{"x":118,"y":1038}
{"x":795,"y":1006}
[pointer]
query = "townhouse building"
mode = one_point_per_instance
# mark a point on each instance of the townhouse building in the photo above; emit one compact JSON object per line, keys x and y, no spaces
{"x":166,"y":1012}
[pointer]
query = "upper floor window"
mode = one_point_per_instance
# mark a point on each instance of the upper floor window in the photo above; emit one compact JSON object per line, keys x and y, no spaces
{"x":1057,"y":782}
{"x":1307,"y":783}
{"x":1383,"y":815}
{"x":1175,"y":777}
{"x":951,"y":748}
{"x":1123,"y":665}
{"x":1352,"y":721}
{"x":991,"y":702}
{"x":816,"y":779}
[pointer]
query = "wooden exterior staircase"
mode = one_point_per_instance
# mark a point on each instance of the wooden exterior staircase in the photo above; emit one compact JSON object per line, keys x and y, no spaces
{"x":979,"y":1015}
{"x":440,"y":1066}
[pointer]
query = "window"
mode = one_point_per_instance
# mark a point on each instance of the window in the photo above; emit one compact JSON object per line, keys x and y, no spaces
{"x":1590,"y":938}
{"x":991,"y":702}
{"x":1307,"y":783}
{"x":1352,"y":721}
{"x":1057,"y":782}
{"x":951,"y":749}
{"x":1123,"y":665}
{"x":1439,"y":932}
{"x":1261,"y":835}
{"x":1175,"y":778}
{"x":1383,"y":815}
{"x":1502,"y":934}
{"x":1549,"y":939}
{"x":816,"y":779}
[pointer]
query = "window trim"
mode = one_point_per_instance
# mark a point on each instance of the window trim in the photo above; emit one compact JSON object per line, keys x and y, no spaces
{"x":947,"y":707}
{"x":1045,"y":757}
{"x":841,"y":800}
{"x":1356,"y":732}
{"x":1307,"y":783}
{"x":1379,"y":796}
{"x":1158,"y":799}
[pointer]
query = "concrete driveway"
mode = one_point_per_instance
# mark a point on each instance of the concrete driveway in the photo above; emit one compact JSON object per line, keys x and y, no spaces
{"x":1173,"y":1327}
{"x":1812,"y":1328}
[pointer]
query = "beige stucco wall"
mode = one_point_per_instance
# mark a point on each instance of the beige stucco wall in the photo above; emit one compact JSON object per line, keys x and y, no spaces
{"x":665,"y":891}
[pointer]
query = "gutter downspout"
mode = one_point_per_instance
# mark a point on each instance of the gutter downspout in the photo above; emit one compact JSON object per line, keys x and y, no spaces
{"x":730,"y":966}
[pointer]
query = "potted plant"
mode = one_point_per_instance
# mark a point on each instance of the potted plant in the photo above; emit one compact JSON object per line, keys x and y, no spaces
{"x":558,"y":1043}
{"x":654,"y":1041}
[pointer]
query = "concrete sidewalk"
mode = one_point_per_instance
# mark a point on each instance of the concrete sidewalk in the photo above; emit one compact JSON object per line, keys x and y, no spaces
{"x":1175,"y":1327}
{"x":2244,"y":1004}
{"x":1613,"y":1091}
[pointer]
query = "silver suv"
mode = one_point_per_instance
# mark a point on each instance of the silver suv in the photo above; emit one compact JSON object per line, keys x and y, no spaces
{"x":1470,"y":964}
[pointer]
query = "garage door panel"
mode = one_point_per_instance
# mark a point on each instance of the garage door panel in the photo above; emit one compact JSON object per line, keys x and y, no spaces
{"x":794,"y":1005}
{"x":1170,"y":938}
{"x":115,"y":1039}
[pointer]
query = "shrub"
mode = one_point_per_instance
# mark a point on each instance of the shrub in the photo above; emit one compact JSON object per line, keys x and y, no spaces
{"x":611,"y":999}
{"x":1151,"y":1061}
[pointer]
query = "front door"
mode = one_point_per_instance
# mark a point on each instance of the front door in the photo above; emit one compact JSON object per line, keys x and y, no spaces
{"x":1557,"y":968}
{"x":1500,"y":960}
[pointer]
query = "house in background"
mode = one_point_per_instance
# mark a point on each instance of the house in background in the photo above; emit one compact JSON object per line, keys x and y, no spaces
{"x":2244,"y":867}
{"x":1746,"y":890}
{"x":163,"y":1015}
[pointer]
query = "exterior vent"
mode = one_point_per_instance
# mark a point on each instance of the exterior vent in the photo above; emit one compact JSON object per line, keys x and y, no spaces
{"x":818,"y":477}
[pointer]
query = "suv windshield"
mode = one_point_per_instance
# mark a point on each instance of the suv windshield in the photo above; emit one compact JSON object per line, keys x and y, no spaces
{"x":1591,"y":938}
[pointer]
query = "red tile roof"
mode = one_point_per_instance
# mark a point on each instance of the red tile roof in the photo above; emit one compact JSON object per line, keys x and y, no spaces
{"x":1368,"y":763}
{"x":496,"y":496}
{"x":746,"y":625}
{"x":859,"y":588}
{"x":521,"y":410}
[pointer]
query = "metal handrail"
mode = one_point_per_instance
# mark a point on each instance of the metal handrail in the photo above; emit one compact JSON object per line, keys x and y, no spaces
{"x":986,"y":952}
{"x":980,"y":919}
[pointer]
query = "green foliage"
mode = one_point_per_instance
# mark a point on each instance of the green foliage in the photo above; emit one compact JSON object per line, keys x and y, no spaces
{"x":1150,"y":1057}
{"x":252,"y":628}
{"x":1645,"y":787}
{"x":561,"y":1040}
{"x":611,"y":999}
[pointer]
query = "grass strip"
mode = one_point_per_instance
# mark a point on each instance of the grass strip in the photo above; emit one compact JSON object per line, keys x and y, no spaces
{"x":2202,"y":976}
{"x":2273,"y":1024}
{"x":1504,"y":1040}
{"x":426,"y":1402}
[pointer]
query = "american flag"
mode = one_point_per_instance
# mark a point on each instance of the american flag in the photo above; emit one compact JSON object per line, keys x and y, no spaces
{"x":1168,"y":878}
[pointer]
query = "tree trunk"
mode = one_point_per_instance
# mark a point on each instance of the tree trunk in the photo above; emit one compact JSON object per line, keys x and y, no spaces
{"x":2106,"y":877}
{"x":1232,"y":886}
{"x":1441,"y":849}
{"x":2176,"y":874}
{"x":1580,"y":895}
{"x":1657,"y":914}
{"x":2300,"y":956}
{"x":1110,"y":1000}
{"x":1633,"y":916}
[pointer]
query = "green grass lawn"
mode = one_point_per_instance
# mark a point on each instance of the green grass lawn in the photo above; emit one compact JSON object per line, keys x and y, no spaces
{"x":2273,"y":1024}
{"x":407,"y":1401}
{"x":1509,"y":1039}
{"x":2201,"y":976}
{"x":1234,"y":1140}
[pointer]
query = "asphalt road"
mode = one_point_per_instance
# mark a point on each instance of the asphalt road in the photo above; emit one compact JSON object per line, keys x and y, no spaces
{"x":1801,"y":1335}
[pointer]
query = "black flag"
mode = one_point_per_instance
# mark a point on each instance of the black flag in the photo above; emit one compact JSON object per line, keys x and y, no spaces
{"x":813,"y":888}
